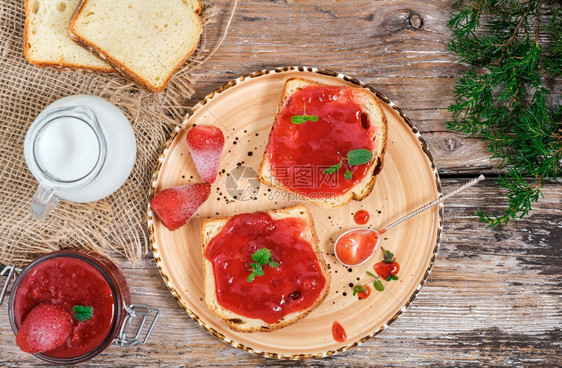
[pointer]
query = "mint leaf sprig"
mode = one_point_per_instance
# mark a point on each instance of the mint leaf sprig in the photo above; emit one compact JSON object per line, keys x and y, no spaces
{"x":388,"y":256}
{"x":83,"y":313}
{"x":377,"y":283}
{"x":262,"y":257}
{"x":354,"y":158}
{"x":300,"y":119}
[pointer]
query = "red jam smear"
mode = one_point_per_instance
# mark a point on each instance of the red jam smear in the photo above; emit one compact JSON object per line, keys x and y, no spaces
{"x":338,"y":332}
{"x":67,"y":281}
{"x":384,"y":269}
{"x":365,"y":294}
{"x":356,"y":247}
{"x":292,"y":286}
{"x":299,"y":154}
{"x":361,"y":217}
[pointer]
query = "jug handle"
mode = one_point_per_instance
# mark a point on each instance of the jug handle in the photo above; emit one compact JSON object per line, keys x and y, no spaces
{"x":43,"y":201}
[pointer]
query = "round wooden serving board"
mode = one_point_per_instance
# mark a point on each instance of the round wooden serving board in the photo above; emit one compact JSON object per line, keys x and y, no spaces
{"x":244,"y":109}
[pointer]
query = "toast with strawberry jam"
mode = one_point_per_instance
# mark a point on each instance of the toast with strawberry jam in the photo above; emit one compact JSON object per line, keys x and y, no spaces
{"x":263,"y":270}
{"x":327,"y":143}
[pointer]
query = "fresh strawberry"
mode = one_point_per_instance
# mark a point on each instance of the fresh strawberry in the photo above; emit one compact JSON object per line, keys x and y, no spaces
{"x":175,"y":206}
{"x":46,"y":327}
{"x":205,"y":144}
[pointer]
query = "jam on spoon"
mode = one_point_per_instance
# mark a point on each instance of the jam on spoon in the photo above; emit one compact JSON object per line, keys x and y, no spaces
{"x":356,"y":247}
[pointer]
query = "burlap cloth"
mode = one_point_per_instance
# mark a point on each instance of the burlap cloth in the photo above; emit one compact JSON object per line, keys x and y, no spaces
{"x":112,"y":226}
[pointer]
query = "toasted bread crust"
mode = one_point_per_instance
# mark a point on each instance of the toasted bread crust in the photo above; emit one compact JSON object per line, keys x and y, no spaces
{"x":234,"y":323}
{"x":62,"y":65}
{"x":199,"y":7}
{"x":117,"y":65}
{"x":368,"y":183}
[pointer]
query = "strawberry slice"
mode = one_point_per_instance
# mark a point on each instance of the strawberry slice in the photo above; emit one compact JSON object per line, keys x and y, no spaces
{"x":46,"y":327}
{"x":175,"y":206}
{"x":205,"y":144}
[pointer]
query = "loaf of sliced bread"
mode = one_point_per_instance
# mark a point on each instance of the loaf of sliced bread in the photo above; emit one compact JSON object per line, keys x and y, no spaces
{"x":46,"y":42}
{"x":212,"y":227}
{"x":378,"y":133}
{"x":145,"y":41}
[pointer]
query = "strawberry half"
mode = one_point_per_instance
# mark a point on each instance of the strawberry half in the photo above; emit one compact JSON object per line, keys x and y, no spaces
{"x":205,"y":144}
{"x":175,"y":206}
{"x":46,"y":327}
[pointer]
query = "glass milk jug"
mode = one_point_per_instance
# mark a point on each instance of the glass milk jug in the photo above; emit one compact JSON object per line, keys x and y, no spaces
{"x":80,"y":148}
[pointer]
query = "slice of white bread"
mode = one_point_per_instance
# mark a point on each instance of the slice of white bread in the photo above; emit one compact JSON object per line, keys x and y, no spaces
{"x":372,"y":107}
{"x":212,"y":227}
{"x":46,"y":42}
{"x":147,"y":41}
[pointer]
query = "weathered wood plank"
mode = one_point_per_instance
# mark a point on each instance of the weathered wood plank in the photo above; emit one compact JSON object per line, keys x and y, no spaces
{"x":493,"y":298}
{"x":494,"y":295}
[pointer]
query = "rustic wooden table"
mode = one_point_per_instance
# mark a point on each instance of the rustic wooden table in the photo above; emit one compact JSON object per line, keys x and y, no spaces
{"x":494,"y":296}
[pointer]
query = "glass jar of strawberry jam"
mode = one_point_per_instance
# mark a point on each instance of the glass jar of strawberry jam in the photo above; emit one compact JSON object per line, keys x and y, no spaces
{"x":69,"y":278}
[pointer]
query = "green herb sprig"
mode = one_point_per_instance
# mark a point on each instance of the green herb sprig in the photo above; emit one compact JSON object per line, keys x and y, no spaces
{"x":513,"y":50}
{"x":354,"y":158}
{"x":377,"y":284}
{"x":300,"y":119}
{"x":262,"y":257}
{"x":83,"y":313}
{"x":388,"y":256}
